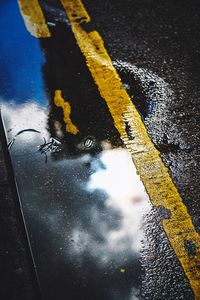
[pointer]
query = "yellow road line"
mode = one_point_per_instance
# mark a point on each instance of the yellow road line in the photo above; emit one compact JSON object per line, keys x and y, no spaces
{"x":60,"y":102}
{"x":154,"y":174}
{"x":34,"y":18}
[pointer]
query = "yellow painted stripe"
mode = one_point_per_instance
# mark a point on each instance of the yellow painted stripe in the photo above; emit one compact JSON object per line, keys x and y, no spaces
{"x":34,"y":18}
{"x":60,"y":102}
{"x":154,"y":174}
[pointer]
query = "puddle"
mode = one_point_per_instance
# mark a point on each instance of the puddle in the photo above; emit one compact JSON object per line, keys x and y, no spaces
{"x":84,"y":212}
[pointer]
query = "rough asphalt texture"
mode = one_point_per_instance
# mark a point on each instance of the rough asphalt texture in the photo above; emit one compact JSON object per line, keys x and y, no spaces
{"x":162,"y":37}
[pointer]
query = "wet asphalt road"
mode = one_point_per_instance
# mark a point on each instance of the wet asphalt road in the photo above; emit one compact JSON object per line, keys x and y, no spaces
{"x":155,"y":48}
{"x":162,"y":37}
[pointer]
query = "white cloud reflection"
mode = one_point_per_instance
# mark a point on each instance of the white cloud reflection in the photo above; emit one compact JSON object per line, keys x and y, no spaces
{"x":125,"y":195}
{"x":24,"y":116}
{"x":114,"y":232}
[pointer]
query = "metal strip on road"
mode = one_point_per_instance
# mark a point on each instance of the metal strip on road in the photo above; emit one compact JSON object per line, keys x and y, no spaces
{"x":34,"y":18}
{"x":154,"y":174}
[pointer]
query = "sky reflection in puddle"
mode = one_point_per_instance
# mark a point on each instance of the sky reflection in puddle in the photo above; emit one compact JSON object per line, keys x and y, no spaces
{"x":86,"y":211}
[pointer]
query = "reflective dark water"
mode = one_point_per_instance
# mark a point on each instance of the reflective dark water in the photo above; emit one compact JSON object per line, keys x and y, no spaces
{"x":82,"y":199}
{"x":84,"y":214}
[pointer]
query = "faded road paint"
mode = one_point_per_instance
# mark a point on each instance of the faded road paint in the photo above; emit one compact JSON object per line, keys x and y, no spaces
{"x":155,"y":176}
{"x":60,"y":102}
{"x":34,"y":18}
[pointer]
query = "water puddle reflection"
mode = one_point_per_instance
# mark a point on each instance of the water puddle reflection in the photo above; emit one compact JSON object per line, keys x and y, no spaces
{"x":85,"y":212}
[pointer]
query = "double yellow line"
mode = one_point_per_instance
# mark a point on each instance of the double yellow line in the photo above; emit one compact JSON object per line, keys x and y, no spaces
{"x":155,"y":176}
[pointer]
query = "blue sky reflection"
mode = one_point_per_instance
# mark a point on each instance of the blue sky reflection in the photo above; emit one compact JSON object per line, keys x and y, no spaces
{"x":21,"y":58}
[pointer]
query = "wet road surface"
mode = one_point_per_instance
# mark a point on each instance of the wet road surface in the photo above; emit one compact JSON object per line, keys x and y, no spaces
{"x":103,"y":216}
